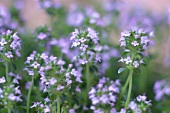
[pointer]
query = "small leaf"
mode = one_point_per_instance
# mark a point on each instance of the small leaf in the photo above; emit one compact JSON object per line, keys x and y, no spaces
{"x":14,"y":66}
{"x":124,"y":53}
{"x":94,"y":68}
{"x":21,"y":107}
{"x":121,"y":70}
{"x":4,"y":110}
{"x":77,"y":56}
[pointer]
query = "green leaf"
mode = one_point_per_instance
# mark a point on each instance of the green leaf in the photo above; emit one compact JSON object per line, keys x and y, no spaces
{"x":21,"y":107}
{"x":121,"y":70}
{"x":77,"y":56}
{"x":14,"y":66}
{"x":93,"y":67}
{"x":124,"y":53}
{"x":4,"y":110}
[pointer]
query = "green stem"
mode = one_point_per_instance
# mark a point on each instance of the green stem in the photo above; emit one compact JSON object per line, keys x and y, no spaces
{"x":7,"y":76}
{"x":87,"y":77}
{"x":130,"y":88}
{"x":106,"y":111}
{"x":124,"y":87}
{"x":29,"y":94}
{"x":8,"y":82}
{"x":58,"y":104}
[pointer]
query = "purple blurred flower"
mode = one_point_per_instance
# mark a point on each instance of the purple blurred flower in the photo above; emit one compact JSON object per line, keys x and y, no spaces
{"x":104,"y":93}
{"x":161,"y":88}
{"x":75,"y":18}
{"x":2,"y":80}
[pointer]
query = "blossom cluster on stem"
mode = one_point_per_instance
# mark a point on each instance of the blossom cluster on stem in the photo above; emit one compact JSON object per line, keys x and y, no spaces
{"x":139,"y":105}
{"x":135,"y":43}
{"x":88,"y":44}
{"x":10,"y":46}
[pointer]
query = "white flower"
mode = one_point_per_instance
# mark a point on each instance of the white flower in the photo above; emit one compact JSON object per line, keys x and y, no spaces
{"x":2,"y":80}
{"x":35,"y":65}
{"x":135,"y":64}
{"x":135,"y":43}
{"x":132,"y":105}
{"x":141,"y":98}
{"x":128,"y":60}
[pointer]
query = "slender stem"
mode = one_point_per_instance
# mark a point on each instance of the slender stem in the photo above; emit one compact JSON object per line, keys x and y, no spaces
{"x":8,"y":82}
{"x":124,"y":87}
{"x":58,"y":104}
{"x":107,"y":111}
{"x":69,"y":98}
{"x":7,"y":76}
{"x":87,"y":76}
{"x":29,"y":94}
{"x":130,"y":88}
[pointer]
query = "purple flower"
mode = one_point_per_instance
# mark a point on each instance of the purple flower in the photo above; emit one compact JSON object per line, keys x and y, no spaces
{"x":52,"y":81}
{"x":135,"y":64}
{"x":75,"y":18}
{"x":123,"y":110}
{"x":103,"y":94}
{"x":35,"y":65}
{"x":2,"y":80}
{"x":3,"y":42}
{"x":132,"y":105}
{"x":10,"y":44}
{"x":72,"y":111}
{"x":134,"y":43}
{"x":41,"y":36}
{"x":161,"y":88}
{"x":9,"y":54}
{"x":141,"y":98}
{"x":47,"y":109}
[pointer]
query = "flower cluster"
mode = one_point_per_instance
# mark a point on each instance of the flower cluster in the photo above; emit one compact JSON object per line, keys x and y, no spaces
{"x":43,"y":107}
{"x":6,"y":21}
{"x":54,"y":77}
{"x":161,"y":88}
{"x":45,"y":4}
{"x":49,"y":6}
{"x":10,"y":45}
{"x":134,"y":20}
{"x":134,"y":43}
{"x":77,"y":16}
{"x":89,"y":16}
{"x":33,"y":63}
{"x":10,"y":92}
{"x":43,"y":32}
{"x":46,"y":66}
{"x":140,"y":105}
{"x":62,"y":79}
{"x":104,"y":94}
{"x":88,"y":44}
{"x":43,"y":38}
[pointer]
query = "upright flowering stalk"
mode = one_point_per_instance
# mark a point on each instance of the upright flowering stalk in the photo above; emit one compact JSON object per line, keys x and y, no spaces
{"x":10,"y":94}
{"x":134,"y":44}
{"x":54,"y":78}
{"x":33,"y":65}
{"x":87,"y":42}
{"x":10,"y":44}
